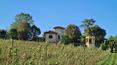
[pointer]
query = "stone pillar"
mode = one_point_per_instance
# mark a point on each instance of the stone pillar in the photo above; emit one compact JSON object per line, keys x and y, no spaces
{"x":87,"y":42}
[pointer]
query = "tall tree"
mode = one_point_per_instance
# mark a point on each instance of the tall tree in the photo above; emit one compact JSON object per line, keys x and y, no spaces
{"x":23,"y":24}
{"x":99,"y":34}
{"x":73,"y":33}
{"x":86,"y":24}
{"x":34,"y":32}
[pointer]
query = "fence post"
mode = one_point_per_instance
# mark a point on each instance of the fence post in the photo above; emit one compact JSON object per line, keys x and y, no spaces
{"x":12,"y":42}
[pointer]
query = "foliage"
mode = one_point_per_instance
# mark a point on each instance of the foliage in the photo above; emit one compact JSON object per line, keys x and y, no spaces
{"x":73,"y":33}
{"x":66,"y":39}
{"x":13,"y":34}
{"x":113,"y":43}
{"x":23,"y":31}
{"x":22,"y":17}
{"x":114,"y":38}
{"x":41,"y":39}
{"x":34,"y":32}
{"x":99,"y":34}
{"x":86,"y":24}
{"x":3,"y":34}
{"x":25,"y":27}
{"x":104,"y":46}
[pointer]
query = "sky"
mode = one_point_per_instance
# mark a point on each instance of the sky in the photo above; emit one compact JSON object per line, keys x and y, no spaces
{"x":49,"y":13}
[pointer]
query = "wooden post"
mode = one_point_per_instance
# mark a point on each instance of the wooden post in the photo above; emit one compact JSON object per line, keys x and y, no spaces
{"x":12,"y":42}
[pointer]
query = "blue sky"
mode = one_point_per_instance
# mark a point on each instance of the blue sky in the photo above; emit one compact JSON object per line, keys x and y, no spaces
{"x":50,"y":13}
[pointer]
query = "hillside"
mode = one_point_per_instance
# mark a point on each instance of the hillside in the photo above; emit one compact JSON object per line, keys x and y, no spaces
{"x":37,"y":53}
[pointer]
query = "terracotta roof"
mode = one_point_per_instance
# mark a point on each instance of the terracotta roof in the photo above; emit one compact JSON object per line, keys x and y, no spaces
{"x":59,"y":27}
{"x":50,"y":32}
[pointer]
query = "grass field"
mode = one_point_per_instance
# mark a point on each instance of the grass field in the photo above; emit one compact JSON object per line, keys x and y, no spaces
{"x":111,"y":59}
{"x":40,"y":53}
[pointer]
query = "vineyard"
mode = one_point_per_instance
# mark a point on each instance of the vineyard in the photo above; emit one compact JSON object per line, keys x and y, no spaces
{"x":40,"y":53}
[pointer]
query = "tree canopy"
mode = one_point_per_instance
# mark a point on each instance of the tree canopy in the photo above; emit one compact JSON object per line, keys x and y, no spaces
{"x":25,"y":27}
{"x":73,"y":33}
{"x":86,"y":24}
{"x":13,"y":34}
{"x":98,"y":32}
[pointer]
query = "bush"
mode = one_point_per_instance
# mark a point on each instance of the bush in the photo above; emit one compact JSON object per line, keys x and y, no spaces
{"x":3,"y":34}
{"x":66,"y":40}
{"x":104,"y":46}
{"x":41,"y":39}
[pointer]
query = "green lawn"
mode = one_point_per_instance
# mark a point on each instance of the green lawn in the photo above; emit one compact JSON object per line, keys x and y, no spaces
{"x":40,"y":53}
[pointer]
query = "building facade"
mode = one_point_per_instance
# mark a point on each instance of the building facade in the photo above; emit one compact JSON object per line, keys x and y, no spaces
{"x":54,"y":35}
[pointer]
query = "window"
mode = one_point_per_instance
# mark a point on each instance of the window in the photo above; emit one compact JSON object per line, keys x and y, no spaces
{"x":90,"y":40}
{"x":58,"y":36}
{"x":50,"y":36}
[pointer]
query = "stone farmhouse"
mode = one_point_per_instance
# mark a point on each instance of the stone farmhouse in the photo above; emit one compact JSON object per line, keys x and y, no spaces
{"x":55,"y":35}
